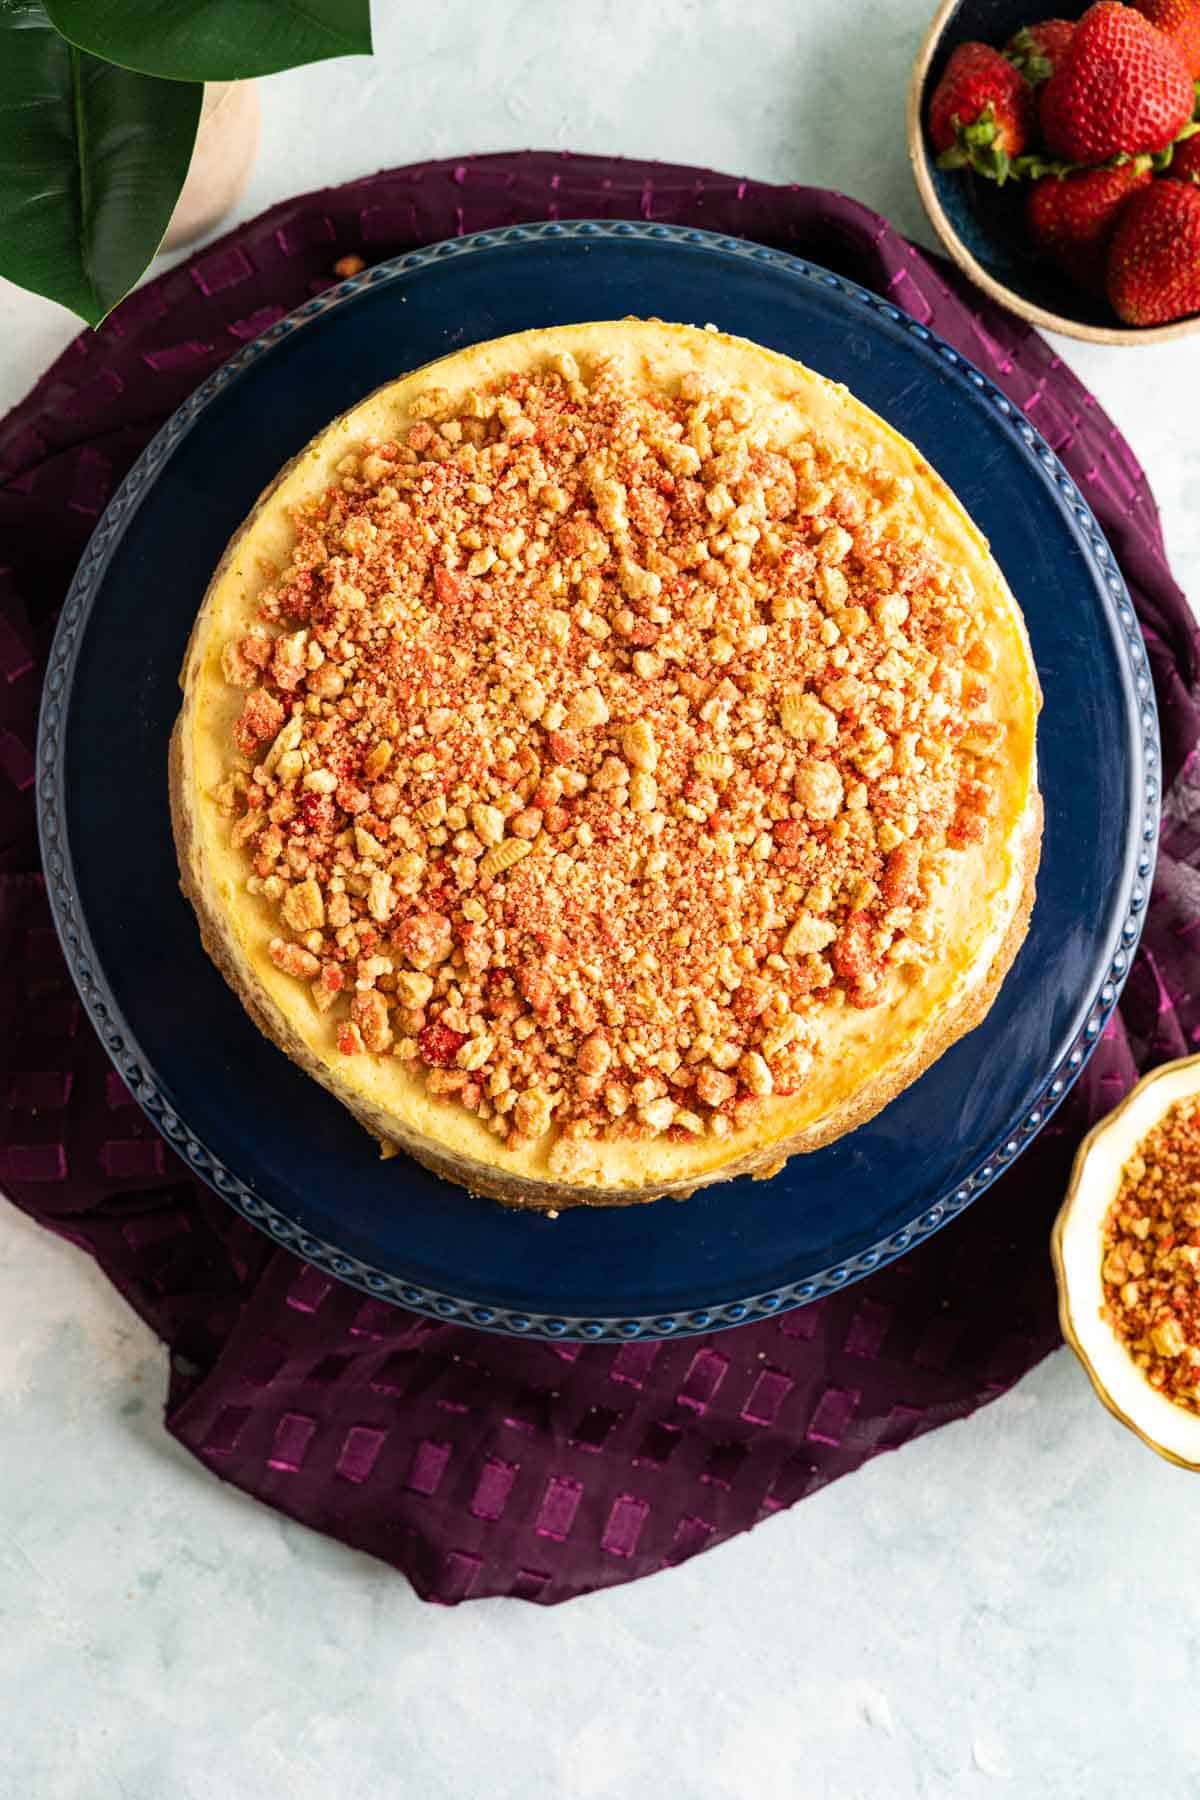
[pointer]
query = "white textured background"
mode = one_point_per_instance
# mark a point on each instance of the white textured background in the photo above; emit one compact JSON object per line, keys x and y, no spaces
{"x":1007,"y":1607}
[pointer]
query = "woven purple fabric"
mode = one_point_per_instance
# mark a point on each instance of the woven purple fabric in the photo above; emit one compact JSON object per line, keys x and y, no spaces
{"x":476,"y":1464}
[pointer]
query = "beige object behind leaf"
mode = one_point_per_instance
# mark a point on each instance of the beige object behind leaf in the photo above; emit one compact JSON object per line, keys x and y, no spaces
{"x":226,"y":146}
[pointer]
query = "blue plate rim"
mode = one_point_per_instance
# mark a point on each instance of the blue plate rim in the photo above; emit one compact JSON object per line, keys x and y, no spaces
{"x":152,"y":1095}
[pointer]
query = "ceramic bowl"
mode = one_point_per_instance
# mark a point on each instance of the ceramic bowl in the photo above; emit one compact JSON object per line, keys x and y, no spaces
{"x":1076,"y":1249}
{"x":981,"y":225}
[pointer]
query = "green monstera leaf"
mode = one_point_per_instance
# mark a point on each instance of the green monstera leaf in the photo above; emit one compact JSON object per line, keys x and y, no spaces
{"x":92,"y":159}
{"x":215,"y":40}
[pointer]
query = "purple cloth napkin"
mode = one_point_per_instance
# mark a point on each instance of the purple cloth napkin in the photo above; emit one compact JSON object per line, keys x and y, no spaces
{"x":476,"y":1464}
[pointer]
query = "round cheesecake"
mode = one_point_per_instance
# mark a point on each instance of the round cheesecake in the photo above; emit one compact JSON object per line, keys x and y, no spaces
{"x":607,"y":763}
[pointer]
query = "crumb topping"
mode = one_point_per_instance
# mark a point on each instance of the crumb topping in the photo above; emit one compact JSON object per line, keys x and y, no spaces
{"x":597,"y":738}
{"x":1151,"y":1247}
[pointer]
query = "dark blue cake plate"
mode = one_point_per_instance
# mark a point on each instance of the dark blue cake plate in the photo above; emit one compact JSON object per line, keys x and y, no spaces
{"x":284,"y":1152}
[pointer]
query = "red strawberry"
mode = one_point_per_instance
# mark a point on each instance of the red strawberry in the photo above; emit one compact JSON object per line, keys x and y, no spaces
{"x":1072,"y":217}
{"x":1154,"y":257}
{"x":1038,"y":49}
{"x":981,"y":112}
{"x":1178,"y":20}
{"x":1185,"y":163}
{"x":1120,"y":87}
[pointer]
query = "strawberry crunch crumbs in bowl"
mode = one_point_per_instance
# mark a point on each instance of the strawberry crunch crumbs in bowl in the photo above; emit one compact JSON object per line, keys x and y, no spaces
{"x":1151,"y":1247}
{"x":602,"y":747}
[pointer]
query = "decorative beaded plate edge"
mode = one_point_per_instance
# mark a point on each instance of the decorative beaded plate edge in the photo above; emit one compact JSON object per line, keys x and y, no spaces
{"x":106,"y":1014}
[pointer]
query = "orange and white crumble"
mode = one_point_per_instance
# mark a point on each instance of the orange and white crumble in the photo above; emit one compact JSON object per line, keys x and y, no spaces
{"x":619,"y":738}
{"x":1151,"y":1256}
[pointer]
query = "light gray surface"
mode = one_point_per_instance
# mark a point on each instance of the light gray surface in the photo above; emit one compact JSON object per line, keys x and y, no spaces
{"x":1007,"y":1606}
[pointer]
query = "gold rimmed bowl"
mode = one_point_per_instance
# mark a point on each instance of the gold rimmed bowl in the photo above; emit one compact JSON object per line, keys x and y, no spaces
{"x":1077,"y":1250}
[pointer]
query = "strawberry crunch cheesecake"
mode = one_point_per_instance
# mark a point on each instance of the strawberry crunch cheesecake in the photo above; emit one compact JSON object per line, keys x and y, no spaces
{"x":607,"y":763}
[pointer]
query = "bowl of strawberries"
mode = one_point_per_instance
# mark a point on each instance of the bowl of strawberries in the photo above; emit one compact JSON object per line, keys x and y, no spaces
{"x":1058,"y":159}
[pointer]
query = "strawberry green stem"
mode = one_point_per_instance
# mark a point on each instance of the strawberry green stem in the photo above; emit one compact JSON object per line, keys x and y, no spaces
{"x":1025,"y":55}
{"x":975,"y":147}
{"x":1034,"y":165}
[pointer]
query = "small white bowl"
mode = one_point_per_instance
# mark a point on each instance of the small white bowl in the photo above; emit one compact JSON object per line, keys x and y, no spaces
{"x":1077,"y":1250}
